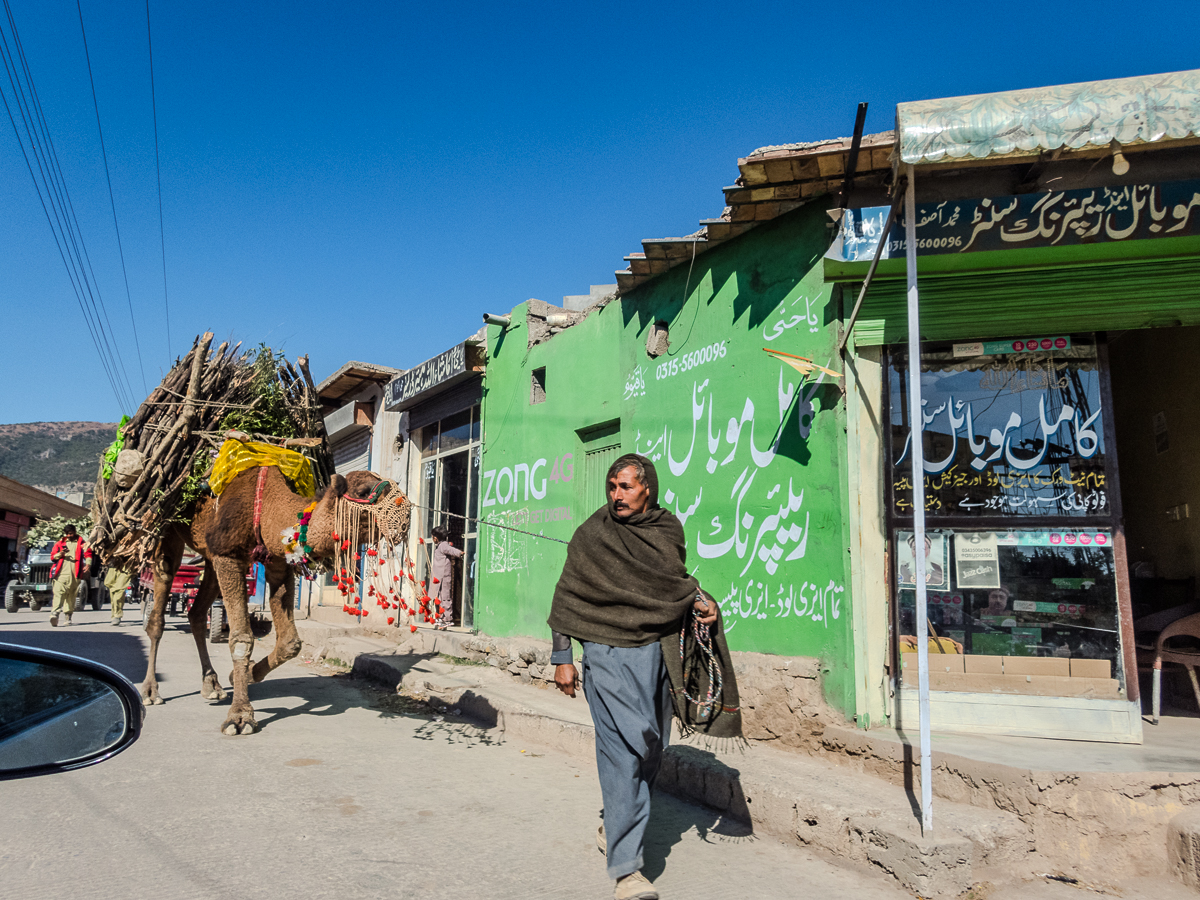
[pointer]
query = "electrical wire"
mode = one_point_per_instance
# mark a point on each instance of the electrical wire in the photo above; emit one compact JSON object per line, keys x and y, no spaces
{"x":50,"y":156}
{"x":111,"y":200}
{"x":94,"y":298}
{"x":55,"y":198}
{"x":162,"y":240}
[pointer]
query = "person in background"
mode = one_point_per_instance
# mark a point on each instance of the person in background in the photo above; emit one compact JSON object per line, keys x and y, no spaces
{"x":116,"y":581}
{"x":70,"y":560}
{"x":444,"y":555}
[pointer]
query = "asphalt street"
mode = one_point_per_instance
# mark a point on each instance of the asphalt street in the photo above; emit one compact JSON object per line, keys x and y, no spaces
{"x":346,"y":793}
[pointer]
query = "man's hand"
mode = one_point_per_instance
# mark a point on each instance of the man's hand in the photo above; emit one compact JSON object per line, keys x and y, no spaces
{"x":566,"y":679}
{"x":707,"y":610}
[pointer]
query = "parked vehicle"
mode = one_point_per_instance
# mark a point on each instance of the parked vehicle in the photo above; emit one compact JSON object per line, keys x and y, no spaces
{"x":184,"y":589}
{"x":30,"y":583}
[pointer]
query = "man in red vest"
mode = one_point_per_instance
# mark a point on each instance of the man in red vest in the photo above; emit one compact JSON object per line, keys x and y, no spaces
{"x":70,"y":560}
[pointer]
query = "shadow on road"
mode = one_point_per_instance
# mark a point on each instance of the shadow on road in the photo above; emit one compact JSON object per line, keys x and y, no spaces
{"x":671,"y":818}
{"x":325,"y":696}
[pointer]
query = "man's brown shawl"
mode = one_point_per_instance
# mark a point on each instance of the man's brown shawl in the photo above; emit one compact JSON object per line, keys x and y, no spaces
{"x":625,"y":584}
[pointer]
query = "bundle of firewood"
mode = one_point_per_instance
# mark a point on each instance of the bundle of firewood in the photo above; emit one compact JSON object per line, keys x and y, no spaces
{"x":171,"y":441}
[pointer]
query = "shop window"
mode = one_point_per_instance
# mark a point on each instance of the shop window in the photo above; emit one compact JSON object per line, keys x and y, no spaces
{"x":537,"y":386}
{"x":1006,"y":434}
{"x":1029,"y":592}
{"x":1020,"y":523}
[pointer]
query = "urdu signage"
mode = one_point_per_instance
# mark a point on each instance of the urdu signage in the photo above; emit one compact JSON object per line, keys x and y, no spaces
{"x":1054,"y":218}
{"x":442,"y":368}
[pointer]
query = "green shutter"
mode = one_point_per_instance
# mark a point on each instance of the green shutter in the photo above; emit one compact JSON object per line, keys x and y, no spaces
{"x":596,"y":463}
{"x":973,"y":306}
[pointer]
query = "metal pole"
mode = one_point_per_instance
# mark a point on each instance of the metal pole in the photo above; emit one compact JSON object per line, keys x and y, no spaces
{"x":917,"y":455}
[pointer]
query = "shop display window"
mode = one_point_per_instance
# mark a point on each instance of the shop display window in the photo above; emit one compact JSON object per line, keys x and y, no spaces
{"x":1016,"y":593}
{"x":448,"y":495}
{"x":1019,"y":548}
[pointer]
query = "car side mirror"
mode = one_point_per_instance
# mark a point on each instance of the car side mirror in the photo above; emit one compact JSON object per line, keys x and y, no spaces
{"x":61,"y":712}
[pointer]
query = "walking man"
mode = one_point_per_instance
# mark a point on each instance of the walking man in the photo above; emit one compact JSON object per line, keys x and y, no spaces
{"x":116,"y":581}
{"x":70,"y":560}
{"x":625,"y":594}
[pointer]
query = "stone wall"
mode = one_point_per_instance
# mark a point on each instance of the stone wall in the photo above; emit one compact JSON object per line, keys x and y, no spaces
{"x":781,"y":696}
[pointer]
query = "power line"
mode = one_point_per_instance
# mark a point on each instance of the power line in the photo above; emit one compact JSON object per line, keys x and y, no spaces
{"x":51,"y":165}
{"x":162,"y":240}
{"x":54,"y":196}
{"x":50,"y":154}
{"x":111,"y":200}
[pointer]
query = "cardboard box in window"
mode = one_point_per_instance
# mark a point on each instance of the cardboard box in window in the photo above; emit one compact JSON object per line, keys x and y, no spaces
{"x":1091,"y":668}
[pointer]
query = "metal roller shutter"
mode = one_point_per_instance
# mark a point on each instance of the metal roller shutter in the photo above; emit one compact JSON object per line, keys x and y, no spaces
{"x":1114,"y":296}
{"x":353,"y":454}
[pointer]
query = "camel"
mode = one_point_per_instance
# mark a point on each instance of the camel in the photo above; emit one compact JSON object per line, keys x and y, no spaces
{"x":222,"y":531}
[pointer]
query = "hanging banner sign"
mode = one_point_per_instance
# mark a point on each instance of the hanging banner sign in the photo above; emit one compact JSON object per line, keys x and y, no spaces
{"x":1053,"y":539}
{"x":1016,"y":345}
{"x":1055,"y":218}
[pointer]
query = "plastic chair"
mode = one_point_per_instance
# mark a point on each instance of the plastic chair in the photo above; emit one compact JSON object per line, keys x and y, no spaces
{"x":1188,"y":626}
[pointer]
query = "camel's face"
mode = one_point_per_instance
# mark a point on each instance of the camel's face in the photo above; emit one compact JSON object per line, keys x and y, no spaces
{"x":369,"y":489}
{"x":360,"y":485}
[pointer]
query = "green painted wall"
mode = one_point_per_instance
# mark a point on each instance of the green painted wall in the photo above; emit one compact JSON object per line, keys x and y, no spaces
{"x":750,"y":455}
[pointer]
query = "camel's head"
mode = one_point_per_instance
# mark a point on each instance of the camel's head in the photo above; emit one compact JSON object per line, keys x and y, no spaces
{"x":383,"y":506}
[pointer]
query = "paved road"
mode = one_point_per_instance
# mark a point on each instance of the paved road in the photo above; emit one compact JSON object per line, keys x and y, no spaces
{"x":345,"y":794}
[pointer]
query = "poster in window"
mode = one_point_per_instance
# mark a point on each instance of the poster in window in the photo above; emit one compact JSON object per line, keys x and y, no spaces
{"x":936,"y":562}
{"x":976,"y":560}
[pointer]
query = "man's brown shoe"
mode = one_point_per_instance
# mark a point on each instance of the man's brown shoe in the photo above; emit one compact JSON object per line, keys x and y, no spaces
{"x":53,"y":620}
{"x":634,"y":887}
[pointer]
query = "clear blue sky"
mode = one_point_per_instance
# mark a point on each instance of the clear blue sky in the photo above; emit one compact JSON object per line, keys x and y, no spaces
{"x":361,"y":180}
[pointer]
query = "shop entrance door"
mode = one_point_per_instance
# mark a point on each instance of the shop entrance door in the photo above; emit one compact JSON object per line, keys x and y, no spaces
{"x":449,"y":497}
{"x":1155,"y":383}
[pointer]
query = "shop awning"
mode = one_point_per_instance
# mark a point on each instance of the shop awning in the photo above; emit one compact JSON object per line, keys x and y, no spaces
{"x":1141,"y":110}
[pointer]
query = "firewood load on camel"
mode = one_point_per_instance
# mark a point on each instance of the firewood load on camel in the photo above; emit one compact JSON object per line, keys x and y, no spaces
{"x":154,"y":472}
{"x":183,"y":472}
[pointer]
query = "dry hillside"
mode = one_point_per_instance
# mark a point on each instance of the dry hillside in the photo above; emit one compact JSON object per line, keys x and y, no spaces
{"x":54,"y":456}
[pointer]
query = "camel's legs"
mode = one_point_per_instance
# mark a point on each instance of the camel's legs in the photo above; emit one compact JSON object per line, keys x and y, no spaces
{"x":231,"y":573}
{"x":281,"y":582}
{"x":210,"y":684}
{"x":166,"y":564}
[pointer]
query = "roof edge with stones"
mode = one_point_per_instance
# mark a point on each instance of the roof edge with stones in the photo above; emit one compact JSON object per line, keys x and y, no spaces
{"x":772,"y":181}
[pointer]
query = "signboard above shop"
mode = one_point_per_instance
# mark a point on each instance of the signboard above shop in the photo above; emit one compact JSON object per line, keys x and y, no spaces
{"x":432,"y":376}
{"x":1053,"y":218}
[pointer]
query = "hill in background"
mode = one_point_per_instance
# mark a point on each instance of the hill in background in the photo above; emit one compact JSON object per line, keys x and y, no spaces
{"x":55,"y":456}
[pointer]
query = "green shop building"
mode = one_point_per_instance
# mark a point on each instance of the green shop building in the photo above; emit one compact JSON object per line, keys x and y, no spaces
{"x":751,"y":455}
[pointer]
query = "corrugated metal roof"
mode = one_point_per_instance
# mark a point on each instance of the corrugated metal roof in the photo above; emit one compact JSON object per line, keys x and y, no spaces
{"x":1145,"y":109}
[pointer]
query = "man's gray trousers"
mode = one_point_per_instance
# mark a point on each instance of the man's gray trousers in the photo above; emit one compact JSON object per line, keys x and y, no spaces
{"x":629,"y":697}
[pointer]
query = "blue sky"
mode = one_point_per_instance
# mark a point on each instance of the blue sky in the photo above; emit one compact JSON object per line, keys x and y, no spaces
{"x":363,"y":180}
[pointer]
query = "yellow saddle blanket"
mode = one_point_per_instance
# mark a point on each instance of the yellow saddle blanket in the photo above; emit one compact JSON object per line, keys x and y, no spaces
{"x":236,"y":457}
